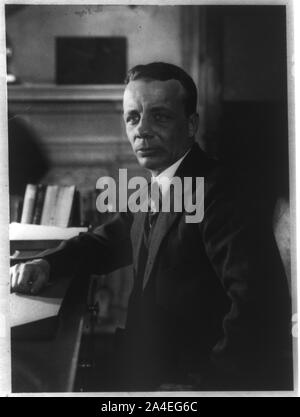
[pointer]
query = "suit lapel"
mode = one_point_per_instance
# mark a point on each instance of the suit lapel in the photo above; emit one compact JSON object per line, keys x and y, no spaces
{"x":137,"y":230}
{"x":163,"y":224}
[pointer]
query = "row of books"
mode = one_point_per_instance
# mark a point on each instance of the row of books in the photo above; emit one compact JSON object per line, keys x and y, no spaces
{"x":48,"y":205}
{"x":84,"y":211}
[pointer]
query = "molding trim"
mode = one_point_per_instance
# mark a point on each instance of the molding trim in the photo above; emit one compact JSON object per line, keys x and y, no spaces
{"x":101,"y":154}
{"x":52,"y":92}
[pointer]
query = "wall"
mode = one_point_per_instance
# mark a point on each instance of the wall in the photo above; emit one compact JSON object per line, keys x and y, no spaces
{"x":153,"y":33}
{"x":254,"y":55}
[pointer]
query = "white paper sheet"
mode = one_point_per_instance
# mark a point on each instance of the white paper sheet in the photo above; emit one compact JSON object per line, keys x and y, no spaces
{"x":26,"y":308}
{"x":20,"y":231}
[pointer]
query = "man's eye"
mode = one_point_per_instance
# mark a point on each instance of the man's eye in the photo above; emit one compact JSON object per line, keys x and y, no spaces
{"x":159,"y":117}
{"x":133,"y":118}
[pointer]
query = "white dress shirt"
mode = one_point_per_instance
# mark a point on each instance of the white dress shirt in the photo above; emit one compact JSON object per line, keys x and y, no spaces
{"x":165,"y":177}
{"x":164,"y":180}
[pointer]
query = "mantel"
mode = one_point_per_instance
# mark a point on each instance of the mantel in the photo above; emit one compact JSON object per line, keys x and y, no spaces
{"x":79,"y":128}
{"x":52,"y":92}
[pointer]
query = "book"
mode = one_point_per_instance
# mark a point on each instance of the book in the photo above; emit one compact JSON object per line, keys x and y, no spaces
{"x":25,"y":308}
{"x":28,"y":205}
{"x":48,"y":212}
{"x":36,"y":317}
{"x":15,"y":208}
{"x":64,"y":204}
{"x":39,"y":202}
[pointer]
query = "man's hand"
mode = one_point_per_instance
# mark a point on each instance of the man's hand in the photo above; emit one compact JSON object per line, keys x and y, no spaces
{"x":29,"y":277}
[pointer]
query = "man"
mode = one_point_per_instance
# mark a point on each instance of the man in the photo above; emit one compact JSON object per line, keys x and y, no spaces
{"x":210,"y":306}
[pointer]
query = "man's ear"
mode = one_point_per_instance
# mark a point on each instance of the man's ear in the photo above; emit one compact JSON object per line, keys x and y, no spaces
{"x":193,"y":124}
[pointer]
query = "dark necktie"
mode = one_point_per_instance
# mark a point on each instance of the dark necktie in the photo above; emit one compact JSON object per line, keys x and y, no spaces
{"x":149,"y":226}
{"x":154,"y":207}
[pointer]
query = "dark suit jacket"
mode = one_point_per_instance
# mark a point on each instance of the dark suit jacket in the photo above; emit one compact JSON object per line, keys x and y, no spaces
{"x":215,"y":298}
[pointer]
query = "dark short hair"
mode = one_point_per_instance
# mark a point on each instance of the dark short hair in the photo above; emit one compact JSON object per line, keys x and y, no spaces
{"x":163,"y":71}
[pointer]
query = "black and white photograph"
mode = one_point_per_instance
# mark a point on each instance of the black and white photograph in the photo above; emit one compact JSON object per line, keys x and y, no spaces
{"x":149,"y":199}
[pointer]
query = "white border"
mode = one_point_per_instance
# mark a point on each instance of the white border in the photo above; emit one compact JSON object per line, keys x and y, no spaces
{"x":293,"y":14}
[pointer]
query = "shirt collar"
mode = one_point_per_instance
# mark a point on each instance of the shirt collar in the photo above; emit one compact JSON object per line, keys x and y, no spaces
{"x":165,"y":177}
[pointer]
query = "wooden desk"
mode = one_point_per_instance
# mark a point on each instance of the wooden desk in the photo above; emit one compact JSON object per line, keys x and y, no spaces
{"x":48,"y":363}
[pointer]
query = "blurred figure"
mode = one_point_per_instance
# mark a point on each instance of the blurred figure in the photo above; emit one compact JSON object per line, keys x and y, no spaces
{"x":27,"y":162}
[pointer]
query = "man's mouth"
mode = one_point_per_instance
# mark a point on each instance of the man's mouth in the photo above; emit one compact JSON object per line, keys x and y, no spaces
{"x":147,"y":151}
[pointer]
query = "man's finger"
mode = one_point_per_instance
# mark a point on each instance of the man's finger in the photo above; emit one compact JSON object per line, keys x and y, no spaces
{"x":26,"y":276}
{"x":38,"y":282}
{"x":14,"y":275}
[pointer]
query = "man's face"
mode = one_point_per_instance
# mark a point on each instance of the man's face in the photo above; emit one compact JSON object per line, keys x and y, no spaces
{"x":156,"y":124}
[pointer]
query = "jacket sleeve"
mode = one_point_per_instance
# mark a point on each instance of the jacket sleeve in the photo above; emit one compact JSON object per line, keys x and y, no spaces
{"x":102,"y":250}
{"x":240,"y":244}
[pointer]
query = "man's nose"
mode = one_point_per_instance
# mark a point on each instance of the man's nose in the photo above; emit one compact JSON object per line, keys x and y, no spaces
{"x":144,"y":127}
